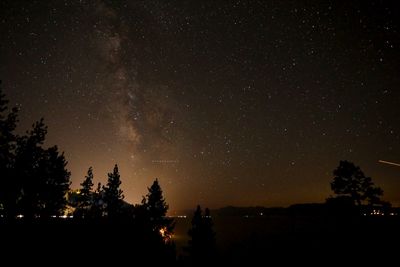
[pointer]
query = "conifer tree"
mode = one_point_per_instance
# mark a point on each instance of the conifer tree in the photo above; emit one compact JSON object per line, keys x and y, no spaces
{"x":41,"y":174}
{"x":54,"y":181}
{"x":9,"y":188}
{"x":202,"y":237}
{"x":85,"y":199}
{"x":113,"y":195}
{"x":86,"y":188}
{"x":97,"y":208}
{"x":157,"y":208}
{"x":34,"y":180}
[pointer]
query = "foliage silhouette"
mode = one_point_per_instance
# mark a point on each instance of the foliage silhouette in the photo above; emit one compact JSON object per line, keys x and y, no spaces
{"x":87,"y":186}
{"x":96,"y":210}
{"x":85,"y":196}
{"x":113,"y":196}
{"x":350,"y":181}
{"x":41,"y":174}
{"x":55,"y":182}
{"x":156,"y":211}
{"x":9,"y":189}
{"x":201,"y":246}
{"x":34,"y":180}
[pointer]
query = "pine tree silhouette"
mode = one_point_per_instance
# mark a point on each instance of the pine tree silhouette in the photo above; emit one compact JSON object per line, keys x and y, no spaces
{"x":54,"y":183}
{"x":86,"y":195}
{"x":42,"y":175}
{"x":113,"y":195}
{"x":157,"y":208}
{"x":97,"y":208}
{"x":202,"y":238}
{"x":9,"y":187}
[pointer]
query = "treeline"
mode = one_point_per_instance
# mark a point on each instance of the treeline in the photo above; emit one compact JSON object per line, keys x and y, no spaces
{"x":35,"y":191}
{"x":34,"y":179}
{"x":35,"y":182}
{"x":105,"y":203}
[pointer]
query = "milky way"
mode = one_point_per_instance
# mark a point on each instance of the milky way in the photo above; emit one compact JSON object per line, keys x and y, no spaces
{"x":234,"y":103}
{"x":144,"y":114}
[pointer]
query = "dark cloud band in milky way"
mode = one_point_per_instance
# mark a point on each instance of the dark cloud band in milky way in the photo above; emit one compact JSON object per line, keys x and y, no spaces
{"x":145,"y":115}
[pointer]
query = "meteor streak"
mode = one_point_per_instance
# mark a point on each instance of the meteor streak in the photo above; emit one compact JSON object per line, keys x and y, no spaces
{"x":388,"y":162}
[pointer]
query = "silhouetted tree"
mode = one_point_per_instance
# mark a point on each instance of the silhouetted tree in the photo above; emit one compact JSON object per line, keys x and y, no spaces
{"x":202,"y":243}
{"x":151,"y":219}
{"x":209,"y":234}
{"x":41,"y":174}
{"x":28,"y":155}
{"x":9,"y":187}
{"x":85,"y":197}
{"x":157,"y":208}
{"x":87,"y":186}
{"x":113,"y":197}
{"x":54,"y":182}
{"x":97,"y":208}
{"x":34,"y":180}
{"x":372,"y":194}
{"x":350,"y":181}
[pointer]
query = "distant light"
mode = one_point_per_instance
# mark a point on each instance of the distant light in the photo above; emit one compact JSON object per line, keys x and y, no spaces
{"x":19,"y":216}
{"x":178,"y":216}
{"x":261,"y":214}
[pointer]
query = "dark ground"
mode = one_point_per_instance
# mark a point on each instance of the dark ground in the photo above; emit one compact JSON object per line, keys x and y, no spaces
{"x":316,"y":240}
{"x":308,"y":239}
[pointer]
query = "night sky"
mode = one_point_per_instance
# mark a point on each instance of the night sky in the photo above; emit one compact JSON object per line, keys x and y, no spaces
{"x":226,"y":102}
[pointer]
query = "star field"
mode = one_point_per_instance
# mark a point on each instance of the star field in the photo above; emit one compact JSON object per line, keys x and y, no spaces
{"x":234,"y":103}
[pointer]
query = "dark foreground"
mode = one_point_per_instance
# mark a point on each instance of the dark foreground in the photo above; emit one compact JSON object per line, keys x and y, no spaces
{"x":240,"y":241}
{"x":306,"y":239}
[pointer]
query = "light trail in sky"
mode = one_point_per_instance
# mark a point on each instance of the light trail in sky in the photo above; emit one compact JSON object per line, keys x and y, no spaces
{"x":390,"y":163}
